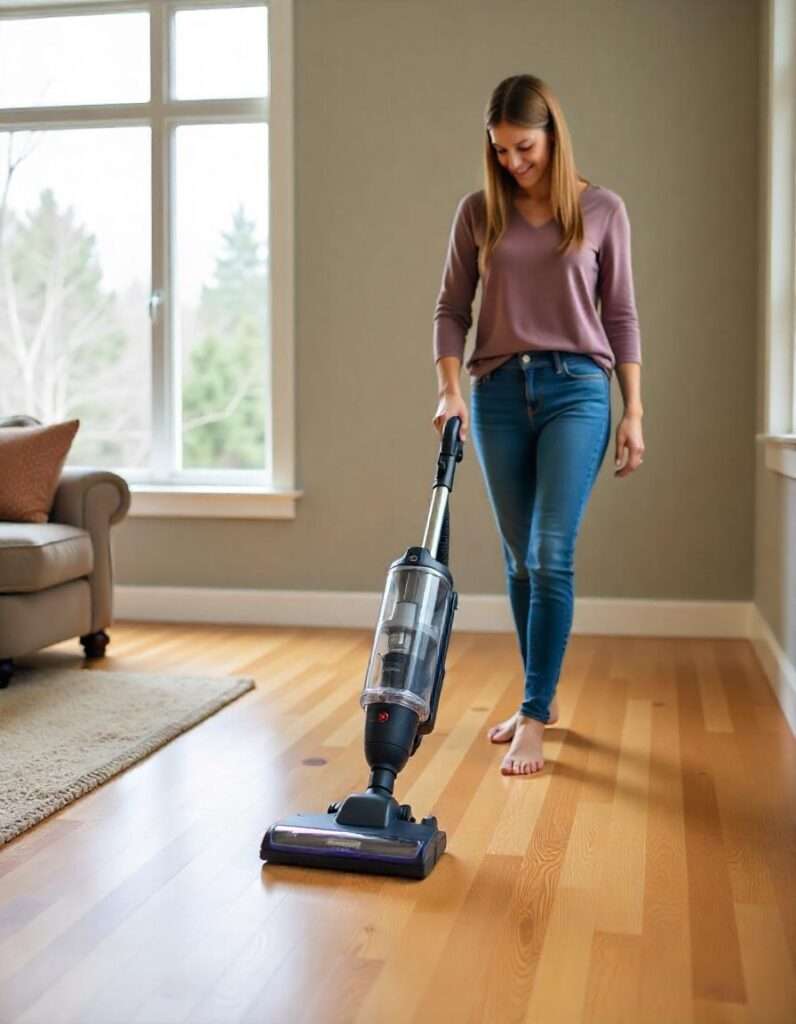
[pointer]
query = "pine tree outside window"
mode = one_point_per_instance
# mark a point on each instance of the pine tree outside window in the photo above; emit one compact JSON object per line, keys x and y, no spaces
{"x":137,"y":226}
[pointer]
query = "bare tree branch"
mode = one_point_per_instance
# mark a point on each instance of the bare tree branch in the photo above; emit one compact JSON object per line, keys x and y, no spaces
{"x":234,"y":402}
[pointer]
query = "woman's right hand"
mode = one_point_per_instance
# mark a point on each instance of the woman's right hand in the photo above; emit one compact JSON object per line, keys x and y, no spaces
{"x":452,"y":405}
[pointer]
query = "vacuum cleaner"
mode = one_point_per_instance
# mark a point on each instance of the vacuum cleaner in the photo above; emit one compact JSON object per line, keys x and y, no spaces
{"x":370,"y":831}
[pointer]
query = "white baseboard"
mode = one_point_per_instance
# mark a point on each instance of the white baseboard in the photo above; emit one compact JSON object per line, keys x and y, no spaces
{"x":487,"y":613}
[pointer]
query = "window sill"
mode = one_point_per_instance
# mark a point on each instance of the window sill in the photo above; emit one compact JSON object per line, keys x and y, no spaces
{"x":780,"y":453}
{"x":205,"y":502}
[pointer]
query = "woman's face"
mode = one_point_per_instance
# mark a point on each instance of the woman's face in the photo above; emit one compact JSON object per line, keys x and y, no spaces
{"x":523,"y":152}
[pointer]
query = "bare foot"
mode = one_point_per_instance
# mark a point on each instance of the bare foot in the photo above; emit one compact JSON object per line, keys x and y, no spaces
{"x":503,"y":732}
{"x":525,"y":755}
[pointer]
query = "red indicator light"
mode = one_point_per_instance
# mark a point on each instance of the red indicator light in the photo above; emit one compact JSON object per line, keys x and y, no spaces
{"x":383,"y":716}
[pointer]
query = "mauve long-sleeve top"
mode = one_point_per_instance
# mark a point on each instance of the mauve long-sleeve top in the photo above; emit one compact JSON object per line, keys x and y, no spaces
{"x":533,"y":298}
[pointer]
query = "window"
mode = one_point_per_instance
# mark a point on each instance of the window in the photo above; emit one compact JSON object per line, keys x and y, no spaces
{"x":779,"y":211}
{"x":144,"y":229}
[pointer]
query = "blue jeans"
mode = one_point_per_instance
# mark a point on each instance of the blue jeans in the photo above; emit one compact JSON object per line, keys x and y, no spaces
{"x":541,"y":423}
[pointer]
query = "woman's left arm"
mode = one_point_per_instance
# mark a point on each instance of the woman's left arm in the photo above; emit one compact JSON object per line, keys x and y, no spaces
{"x":620,"y":320}
{"x":628,"y":434}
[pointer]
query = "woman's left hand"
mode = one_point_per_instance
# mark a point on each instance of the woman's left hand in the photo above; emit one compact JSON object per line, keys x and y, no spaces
{"x":629,"y":442}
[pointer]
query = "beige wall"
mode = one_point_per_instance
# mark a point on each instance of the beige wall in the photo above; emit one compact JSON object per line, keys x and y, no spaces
{"x":662,"y":100}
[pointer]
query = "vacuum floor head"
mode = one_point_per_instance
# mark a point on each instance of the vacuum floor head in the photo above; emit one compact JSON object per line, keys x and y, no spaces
{"x":406,"y":849}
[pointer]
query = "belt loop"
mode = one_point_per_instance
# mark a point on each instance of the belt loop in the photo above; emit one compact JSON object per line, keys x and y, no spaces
{"x":557,"y":360}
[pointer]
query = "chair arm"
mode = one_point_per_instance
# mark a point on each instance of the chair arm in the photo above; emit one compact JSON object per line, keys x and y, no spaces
{"x":86,"y":495}
{"x":94,"y":499}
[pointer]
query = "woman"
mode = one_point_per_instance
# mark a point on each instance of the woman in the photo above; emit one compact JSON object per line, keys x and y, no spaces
{"x":546,"y":244}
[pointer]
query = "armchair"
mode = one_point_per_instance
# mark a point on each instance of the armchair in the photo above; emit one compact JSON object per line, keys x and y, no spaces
{"x":56,"y":578}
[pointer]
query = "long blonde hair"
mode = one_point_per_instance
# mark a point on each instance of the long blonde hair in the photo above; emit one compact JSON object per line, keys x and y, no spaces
{"x":528,"y":102}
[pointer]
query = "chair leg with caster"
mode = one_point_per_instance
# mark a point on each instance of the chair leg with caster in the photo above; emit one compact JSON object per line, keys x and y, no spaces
{"x":94,"y":644}
{"x":6,"y":671}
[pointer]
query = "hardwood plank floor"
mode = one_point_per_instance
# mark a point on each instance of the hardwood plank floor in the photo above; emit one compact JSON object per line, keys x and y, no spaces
{"x":647,"y":874}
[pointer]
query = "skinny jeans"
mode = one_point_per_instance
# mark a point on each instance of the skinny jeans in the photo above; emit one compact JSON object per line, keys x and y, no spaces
{"x":540,"y":425}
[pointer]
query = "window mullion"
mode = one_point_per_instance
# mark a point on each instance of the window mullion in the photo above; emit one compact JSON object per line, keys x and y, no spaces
{"x":162,"y":462}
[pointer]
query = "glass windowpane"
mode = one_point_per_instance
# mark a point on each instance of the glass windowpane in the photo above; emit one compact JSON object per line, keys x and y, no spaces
{"x":81,"y":60}
{"x":221,"y":54}
{"x":74,"y":285}
{"x":221,"y":278}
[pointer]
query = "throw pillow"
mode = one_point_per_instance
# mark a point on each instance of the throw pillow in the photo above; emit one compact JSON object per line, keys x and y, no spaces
{"x":31,"y":459}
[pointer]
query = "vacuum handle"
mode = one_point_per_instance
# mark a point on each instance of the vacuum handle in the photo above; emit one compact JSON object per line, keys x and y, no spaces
{"x":451,"y":451}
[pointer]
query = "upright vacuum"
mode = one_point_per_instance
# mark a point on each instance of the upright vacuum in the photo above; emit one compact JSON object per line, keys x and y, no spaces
{"x":370,"y":831}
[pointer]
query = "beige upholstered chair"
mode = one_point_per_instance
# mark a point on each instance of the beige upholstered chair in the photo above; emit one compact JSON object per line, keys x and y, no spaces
{"x":56,"y":578}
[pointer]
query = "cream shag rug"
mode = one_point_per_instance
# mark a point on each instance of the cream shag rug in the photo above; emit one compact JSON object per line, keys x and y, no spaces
{"x":63,"y":732}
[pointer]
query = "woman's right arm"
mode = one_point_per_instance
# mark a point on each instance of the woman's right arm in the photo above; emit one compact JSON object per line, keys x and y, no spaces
{"x":451,"y":403}
{"x":448,"y":370}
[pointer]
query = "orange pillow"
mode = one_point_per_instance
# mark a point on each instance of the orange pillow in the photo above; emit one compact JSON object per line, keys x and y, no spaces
{"x":31,"y":459}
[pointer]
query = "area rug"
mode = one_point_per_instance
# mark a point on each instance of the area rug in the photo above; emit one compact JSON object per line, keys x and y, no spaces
{"x":63,"y":732}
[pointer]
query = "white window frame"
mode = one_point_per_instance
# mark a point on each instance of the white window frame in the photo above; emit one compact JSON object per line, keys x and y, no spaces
{"x":158,"y":492}
{"x":779,"y":264}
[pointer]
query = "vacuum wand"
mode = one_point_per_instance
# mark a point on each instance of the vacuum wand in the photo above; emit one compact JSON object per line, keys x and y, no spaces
{"x":451,"y":452}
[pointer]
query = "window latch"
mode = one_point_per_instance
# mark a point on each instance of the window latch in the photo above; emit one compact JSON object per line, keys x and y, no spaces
{"x":155,"y":302}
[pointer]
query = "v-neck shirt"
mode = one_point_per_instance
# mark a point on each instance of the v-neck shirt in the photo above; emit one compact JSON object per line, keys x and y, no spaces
{"x":534,"y":298}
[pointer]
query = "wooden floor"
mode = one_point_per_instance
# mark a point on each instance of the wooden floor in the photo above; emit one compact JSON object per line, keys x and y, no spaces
{"x":647,"y":875}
